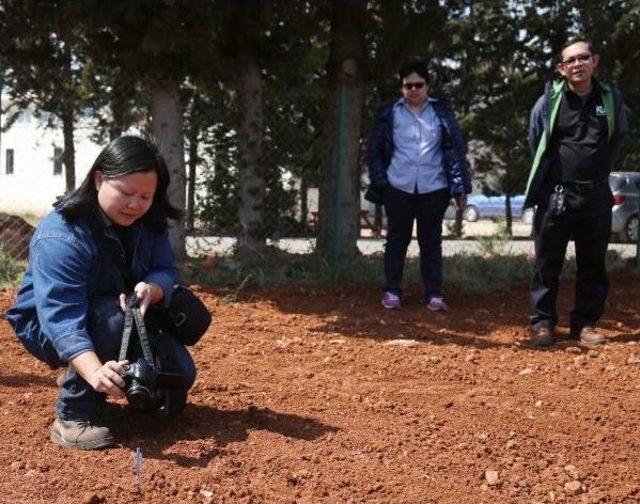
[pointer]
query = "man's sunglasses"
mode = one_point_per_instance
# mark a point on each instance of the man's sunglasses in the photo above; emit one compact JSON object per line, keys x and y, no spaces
{"x":582,"y":58}
{"x":413,"y":85}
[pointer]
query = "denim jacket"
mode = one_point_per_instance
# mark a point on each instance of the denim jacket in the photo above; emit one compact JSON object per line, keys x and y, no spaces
{"x":454,"y":148}
{"x":69,"y":266}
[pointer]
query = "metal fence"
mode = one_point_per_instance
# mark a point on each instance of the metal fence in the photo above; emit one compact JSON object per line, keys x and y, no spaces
{"x":32,"y":177}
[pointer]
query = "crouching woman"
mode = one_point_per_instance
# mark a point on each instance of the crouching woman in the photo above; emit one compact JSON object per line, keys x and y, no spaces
{"x":106,"y":239}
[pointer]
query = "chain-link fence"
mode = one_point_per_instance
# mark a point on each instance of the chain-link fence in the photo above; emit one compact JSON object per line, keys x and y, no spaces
{"x":293,"y":156}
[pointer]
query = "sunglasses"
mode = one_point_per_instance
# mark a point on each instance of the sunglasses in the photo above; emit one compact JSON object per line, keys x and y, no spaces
{"x":582,"y":58}
{"x":413,"y":85}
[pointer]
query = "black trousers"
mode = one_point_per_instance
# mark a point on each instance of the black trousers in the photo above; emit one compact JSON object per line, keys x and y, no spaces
{"x":589,"y":224}
{"x":428,"y":210}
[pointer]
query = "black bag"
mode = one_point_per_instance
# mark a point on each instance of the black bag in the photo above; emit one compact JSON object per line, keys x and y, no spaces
{"x":375,"y":194}
{"x":186,"y":318}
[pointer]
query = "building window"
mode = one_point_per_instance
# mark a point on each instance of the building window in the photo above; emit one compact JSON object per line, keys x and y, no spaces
{"x":57,"y":161}
{"x":8,"y":166}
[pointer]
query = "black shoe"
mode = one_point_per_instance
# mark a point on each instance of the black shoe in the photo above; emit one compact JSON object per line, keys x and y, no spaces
{"x":543,"y":337}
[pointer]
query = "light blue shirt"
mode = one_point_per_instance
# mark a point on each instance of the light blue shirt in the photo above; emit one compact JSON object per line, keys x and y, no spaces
{"x":417,"y":160}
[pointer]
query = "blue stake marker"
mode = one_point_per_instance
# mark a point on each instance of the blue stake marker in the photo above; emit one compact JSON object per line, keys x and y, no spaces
{"x":137,"y":465}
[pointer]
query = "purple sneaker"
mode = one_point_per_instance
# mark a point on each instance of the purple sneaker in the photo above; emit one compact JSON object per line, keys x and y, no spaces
{"x":390,"y":301}
{"x":436,"y":303}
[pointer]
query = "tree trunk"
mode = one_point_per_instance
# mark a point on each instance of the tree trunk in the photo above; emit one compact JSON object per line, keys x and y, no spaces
{"x":339,"y":200}
{"x":304,"y":201}
{"x":192,"y":138}
{"x":166,"y":126}
{"x":508,"y":214}
{"x":251,"y":177}
{"x":377,"y":219}
{"x":457,"y":223}
{"x":69,"y":154}
{"x":118,"y":112}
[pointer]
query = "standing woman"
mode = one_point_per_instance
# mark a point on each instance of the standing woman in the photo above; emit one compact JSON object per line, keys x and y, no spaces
{"x":106,"y":239}
{"x":417,"y":163}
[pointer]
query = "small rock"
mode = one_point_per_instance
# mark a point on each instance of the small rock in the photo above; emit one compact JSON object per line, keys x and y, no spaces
{"x":375,"y":488}
{"x":526,"y":371}
{"x":593,"y":353}
{"x":633,"y":359}
{"x":434,"y":359}
{"x":91,"y":498}
{"x":282,"y":343}
{"x":573,"y":350}
{"x":538,"y":404}
{"x":572,"y":471}
{"x":573,"y":487}
{"x":401,"y":342}
{"x":491,"y":477}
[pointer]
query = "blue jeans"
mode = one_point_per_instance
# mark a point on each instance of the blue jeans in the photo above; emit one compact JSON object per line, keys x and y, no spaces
{"x":105,"y":321}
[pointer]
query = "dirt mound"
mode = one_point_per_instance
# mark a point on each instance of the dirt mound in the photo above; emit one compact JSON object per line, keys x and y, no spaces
{"x":317,"y":394}
{"x":15,"y":235}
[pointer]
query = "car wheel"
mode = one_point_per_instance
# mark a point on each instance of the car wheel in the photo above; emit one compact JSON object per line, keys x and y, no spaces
{"x":471,"y":214}
{"x":631,"y":230}
{"x":527,"y":216}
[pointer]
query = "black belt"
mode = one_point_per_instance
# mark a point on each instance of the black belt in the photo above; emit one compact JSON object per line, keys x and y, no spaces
{"x":583,"y":185}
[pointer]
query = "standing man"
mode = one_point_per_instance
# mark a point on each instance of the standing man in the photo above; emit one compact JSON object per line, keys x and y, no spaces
{"x":417,"y":162}
{"x":576,"y":131}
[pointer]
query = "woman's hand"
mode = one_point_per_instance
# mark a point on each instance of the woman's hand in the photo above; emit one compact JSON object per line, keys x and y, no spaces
{"x":107,"y":378}
{"x":148,"y":294}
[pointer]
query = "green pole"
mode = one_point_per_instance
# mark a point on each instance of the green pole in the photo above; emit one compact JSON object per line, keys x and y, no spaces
{"x":340,"y":161}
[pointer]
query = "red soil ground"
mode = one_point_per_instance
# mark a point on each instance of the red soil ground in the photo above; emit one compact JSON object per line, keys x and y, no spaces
{"x":305,"y":394}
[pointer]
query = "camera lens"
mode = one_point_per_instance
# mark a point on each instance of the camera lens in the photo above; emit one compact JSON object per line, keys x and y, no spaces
{"x":139,"y":397}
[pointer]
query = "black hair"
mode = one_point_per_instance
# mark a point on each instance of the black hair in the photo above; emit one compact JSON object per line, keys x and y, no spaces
{"x":418,"y":66}
{"x":124,"y":155}
{"x":577,"y":40}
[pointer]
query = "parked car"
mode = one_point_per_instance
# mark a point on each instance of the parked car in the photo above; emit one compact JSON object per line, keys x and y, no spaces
{"x":482,"y":207}
{"x":624,"y":215}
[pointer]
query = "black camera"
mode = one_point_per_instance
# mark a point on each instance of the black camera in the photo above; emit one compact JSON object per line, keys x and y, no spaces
{"x":147,"y":387}
{"x":140,"y":384}
{"x":143,"y":382}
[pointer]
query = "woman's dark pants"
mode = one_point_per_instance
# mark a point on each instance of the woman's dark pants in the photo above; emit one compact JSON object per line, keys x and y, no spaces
{"x":77,"y":399}
{"x":428,"y":210}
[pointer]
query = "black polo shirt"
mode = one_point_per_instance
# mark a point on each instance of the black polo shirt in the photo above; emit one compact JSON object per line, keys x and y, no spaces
{"x":580,"y":143}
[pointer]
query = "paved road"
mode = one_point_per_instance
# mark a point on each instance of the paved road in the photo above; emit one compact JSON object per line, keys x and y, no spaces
{"x":485,"y":228}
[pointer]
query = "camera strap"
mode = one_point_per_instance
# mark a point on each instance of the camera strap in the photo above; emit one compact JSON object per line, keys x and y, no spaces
{"x":133,"y":316}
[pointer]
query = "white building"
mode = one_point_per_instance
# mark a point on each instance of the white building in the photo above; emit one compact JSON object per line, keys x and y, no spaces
{"x":31,"y":169}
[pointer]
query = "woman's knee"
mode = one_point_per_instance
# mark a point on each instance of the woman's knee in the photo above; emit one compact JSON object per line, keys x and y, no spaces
{"x":105,"y":323}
